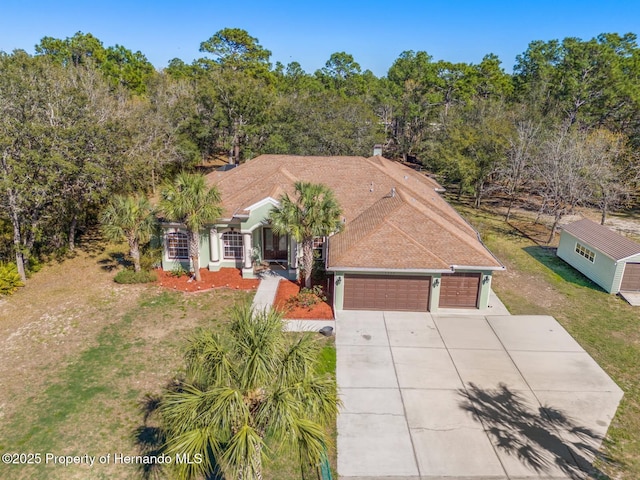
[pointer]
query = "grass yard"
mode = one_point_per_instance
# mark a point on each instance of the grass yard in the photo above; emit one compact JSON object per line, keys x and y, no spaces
{"x":537,"y":282}
{"x":81,"y":354}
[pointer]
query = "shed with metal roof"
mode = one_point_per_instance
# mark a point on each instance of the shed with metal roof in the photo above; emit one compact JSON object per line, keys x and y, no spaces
{"x":607,"y":258}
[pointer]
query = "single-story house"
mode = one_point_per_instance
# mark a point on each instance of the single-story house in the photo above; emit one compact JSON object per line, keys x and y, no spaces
{"x":403,"y":247}
{"x":602,"y":255}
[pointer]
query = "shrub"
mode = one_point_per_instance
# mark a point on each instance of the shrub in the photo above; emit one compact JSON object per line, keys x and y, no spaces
{"x":306,"y":298}
{"x":130,"y":276}
{"x":178,"y":271}
{"x":9,"y":278}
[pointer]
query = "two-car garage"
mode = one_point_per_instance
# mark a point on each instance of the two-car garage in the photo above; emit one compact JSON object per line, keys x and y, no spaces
{"x":409,"y":293}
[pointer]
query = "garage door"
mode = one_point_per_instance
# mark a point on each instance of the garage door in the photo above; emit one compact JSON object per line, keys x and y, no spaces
{"x":631,"y":278}
{"x":380,"y":292}
{"x":459,"y":290}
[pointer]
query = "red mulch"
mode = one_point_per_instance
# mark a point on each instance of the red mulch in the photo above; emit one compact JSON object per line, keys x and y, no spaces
{"x":225,"y":278}
{"x":287,"y":289}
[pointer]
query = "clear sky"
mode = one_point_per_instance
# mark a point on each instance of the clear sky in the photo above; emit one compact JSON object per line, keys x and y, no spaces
{"x":375,"y":32}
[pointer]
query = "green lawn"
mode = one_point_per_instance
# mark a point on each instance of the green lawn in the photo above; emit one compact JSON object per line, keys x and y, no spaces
{"x":538,"y":282}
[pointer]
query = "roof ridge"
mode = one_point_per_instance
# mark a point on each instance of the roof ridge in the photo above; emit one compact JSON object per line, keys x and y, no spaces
{"x":452,"y":228}
{"x":370,"y":225}
{"x":413,"y":240}
{"x":282,"y":169}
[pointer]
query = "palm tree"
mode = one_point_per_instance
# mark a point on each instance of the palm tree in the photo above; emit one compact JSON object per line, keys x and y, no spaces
{"x":314,"y":213}
{"x":253,"y":386}
{"x":189,"y":201}
{"x":130,"y":218}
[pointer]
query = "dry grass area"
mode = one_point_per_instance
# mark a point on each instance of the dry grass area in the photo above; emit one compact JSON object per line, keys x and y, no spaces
{"x":79,"y":354}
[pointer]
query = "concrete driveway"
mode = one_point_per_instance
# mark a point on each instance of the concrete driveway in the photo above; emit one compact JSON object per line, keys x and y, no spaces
{"x":431,"y":396}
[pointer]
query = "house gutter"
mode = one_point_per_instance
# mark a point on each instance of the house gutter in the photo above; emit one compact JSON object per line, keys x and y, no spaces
{"x":501,"y":268}
{"x":388,"y":270}
{"x":476,"y":268}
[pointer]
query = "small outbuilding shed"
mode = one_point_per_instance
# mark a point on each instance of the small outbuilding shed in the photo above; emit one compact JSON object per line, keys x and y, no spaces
{"x":604,"y":256}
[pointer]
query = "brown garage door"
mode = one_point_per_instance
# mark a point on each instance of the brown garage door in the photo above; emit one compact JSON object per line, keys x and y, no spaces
{"x":380,"y":292}
{"x":459,"y":290}
{"x":631,"y":278}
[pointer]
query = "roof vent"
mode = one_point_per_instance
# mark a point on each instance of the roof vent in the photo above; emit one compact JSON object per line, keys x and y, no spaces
{"x":371,"y":187}
{"x":393,"y":192}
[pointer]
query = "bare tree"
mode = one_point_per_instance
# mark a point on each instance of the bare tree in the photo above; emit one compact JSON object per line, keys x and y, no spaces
{"x":612,"y":173}
{"x":522,"y":146}
{"x":561,"y":172}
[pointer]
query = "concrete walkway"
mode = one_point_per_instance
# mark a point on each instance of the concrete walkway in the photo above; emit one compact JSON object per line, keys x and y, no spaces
{"x":265,"y":296}
{"x":633,"y":298}
{"x":266,"y":293}
{"x":467,"y":397}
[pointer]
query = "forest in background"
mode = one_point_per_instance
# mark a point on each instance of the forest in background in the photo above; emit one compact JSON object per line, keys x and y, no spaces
{"x":80,"y":122}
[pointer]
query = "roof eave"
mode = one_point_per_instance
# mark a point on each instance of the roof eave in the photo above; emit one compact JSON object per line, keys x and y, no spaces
{"x":388,"y":270}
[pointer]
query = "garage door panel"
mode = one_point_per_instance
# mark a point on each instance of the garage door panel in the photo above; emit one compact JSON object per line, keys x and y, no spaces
{"x":631,"y":278}
{"x":459,"y":290}
{"x":380,"y":292}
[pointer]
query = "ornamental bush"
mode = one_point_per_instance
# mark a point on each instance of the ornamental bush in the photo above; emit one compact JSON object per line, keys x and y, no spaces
{"x":9,"y":278}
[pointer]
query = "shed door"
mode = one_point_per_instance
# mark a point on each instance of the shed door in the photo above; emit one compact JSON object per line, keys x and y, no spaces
{"x":384,"y":292}
{"x":631,"y":278}
{"x":459,"y":290}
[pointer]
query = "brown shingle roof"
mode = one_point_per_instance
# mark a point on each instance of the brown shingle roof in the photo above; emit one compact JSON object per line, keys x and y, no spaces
{"x":414,"y":229}
{"x":601,"y":238}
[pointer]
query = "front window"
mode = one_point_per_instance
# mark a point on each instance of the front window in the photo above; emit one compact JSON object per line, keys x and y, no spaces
{"x":585,"y":252}
{"x":232,"y":244}
{"x":318,"y":247}
{"x":177,"y":246}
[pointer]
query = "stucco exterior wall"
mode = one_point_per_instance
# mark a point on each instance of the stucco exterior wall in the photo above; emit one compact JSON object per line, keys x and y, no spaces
{"x":604,"y":271}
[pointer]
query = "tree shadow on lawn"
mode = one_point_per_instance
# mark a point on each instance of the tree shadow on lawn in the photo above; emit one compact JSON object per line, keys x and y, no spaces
{"x":547,"y":257}
{"x":534,"y":436}
{"x":114,"y":261}
{"x":150,"y":438}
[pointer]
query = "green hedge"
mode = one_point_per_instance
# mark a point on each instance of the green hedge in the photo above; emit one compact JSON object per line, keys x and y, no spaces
{"x":129,"y":276}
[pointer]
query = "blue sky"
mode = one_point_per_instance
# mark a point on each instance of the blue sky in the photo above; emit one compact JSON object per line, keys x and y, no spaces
{"x":375,"y":32}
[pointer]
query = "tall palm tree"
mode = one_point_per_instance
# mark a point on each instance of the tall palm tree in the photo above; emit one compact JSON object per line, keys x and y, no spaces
{"x":130,"y":218}
{"x":314,"y":212}
{"x":250,"y":387}
{"x":189,"y":201}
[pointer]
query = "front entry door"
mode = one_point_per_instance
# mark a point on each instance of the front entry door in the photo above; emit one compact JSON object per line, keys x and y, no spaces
{"x":274,"y":245}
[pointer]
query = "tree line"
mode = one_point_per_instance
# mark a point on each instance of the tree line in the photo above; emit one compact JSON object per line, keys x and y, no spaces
{"x":80,"y":122}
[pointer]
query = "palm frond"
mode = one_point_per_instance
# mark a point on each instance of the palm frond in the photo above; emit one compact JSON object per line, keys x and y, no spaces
{"x":318,"y":396}
{"x":299,"y":360}
{"x":209,"y":361}
{"x":200,"y":446}
{"x":257,"y":337}
{"x":310,"y":441}
{"x":243,"y":456}
{"x":128,"y":218}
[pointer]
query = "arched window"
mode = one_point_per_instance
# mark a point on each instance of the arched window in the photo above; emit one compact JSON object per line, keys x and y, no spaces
{"x":232,"y":242}
{"x":177,"y":246}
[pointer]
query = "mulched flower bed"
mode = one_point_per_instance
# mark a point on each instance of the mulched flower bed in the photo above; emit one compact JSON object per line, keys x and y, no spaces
{"x":225,"y":278}
{"x":288,"y":289}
